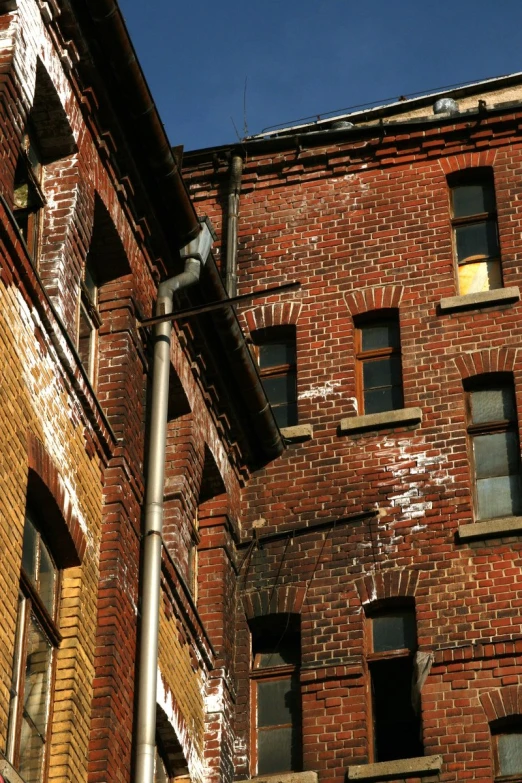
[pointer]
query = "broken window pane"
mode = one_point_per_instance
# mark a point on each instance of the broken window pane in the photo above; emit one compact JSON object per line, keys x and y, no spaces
{"x":477,"y":240}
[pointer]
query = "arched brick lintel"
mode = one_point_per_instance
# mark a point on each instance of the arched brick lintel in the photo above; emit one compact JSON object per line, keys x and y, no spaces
{"x":469,"y":160}
{"x":274,"y":314}
{"x":479,"y":362}
{"x":283,"y":599}
{"x":502,"y":703}
{"x":382,"y":586}
{"x":375,"y":298}
{"x":47,"y":491}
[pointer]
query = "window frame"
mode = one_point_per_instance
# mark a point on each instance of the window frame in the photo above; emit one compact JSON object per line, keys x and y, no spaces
{"x":512,"y":726}
{"x":395,"y":654}
{"x":271,"y":336}
{"x":262,"y":674}
{"x":32,"y":173}
{"x":88,"y":311}
{"x":484,"y":176}
{"x":363,"y":357}
{"x":31,"y":605}
{"x":483,"y":383}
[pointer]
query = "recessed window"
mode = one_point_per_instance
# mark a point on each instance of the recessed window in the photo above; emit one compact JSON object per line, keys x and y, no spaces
{"x":37,"y":637}
{"x":379,"y":365}
{"x":89,"y":323}
{"x":396,"y":726}
{"x":495,"y":452}
{"x":276,"y":696}
{"x":275,"y":350}
{"x":475,"y":231}
{"x":28,"y":197}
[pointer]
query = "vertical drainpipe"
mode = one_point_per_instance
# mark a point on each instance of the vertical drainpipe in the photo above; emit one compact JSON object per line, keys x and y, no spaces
{"x":234,"y":186}
{"x":195,"y":255}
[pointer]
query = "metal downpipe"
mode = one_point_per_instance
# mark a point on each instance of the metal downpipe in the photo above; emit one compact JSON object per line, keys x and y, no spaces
{"x":234,"y":186}
{"x":195,"y":254}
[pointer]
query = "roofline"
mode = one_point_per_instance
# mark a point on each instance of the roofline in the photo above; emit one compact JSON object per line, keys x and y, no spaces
{"x":308,"y":136}
{"x":455,"y":92}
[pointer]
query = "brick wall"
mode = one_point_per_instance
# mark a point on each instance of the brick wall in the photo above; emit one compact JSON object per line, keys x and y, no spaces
{"x":363,"y":222}
{"x":92,"y":435}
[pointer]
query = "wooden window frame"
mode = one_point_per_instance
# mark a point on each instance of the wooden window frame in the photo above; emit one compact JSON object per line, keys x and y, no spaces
{"x":271,"y":335}
{"x":31,"y":604}
{"x":363,"y":357}
{"x":485,"y":428}
{"x":88,"y":310}
{"x":268,"y":674}
{"x":32,"y":172}
{"x":470,"y":177}
{"x":371,"y":657}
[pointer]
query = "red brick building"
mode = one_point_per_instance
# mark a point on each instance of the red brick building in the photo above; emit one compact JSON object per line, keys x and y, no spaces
{"x":378,"y":570}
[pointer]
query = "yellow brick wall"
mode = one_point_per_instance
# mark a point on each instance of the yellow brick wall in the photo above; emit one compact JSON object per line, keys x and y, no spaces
{"x":183,"y":686}
{"x":34,"y":398}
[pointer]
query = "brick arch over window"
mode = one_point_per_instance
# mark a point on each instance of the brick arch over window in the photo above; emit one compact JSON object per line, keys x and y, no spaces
{"x":470,"y":160}
{"x":388,"y":584}
{"x":45,"y":488}
{"x":375,"y":298}
{"x":480,"y":362}
{"x":283,"y":599}
{"x":275,"y":314}
{"x":502,"y":703}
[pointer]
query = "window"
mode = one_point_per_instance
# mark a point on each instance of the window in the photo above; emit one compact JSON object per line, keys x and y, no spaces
{"x":493,"y":434}
{"x":507,"y":745}
{"x":89,"y":323}
{"x":276,"y":355}
{"x":392,"y":646}
{"x":379,"y":366}
{"x":276,"y":697}
{"x":28,"y":198}
{"x":37,"y":637}
{"x":475,"y":231}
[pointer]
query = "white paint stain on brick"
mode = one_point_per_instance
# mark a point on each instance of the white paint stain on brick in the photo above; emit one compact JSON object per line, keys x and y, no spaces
{"x":165,"y":700}
{"x":315,"y":392}
{"x":41,"y":375}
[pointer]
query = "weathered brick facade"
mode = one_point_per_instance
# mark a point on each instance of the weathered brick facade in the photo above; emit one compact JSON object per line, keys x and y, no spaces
{"x":75,"y":389}
{"x":363,"y":513}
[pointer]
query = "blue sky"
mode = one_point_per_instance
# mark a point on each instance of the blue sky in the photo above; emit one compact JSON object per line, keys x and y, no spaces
{"x":309,"y":57}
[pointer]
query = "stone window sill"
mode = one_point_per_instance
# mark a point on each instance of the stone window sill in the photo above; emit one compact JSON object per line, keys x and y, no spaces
{"x":286,"y":777}
{"x":298,"y":433}
{"x":380,"y":421}
{"x":497,"y":296}
{"x":7,"y":771}
{"x":491,"y":528}
{"x":401,"y":768}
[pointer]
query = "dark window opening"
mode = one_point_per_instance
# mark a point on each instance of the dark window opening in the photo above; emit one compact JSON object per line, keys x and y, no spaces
{"x":495,"y":451}
{"x":379,"y":364}
{"x":276,"y":695}
{"x":276,"y":356}
{"x":396,"y":725}
{"x":28,"y":197}
{"x":475,"y":231}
